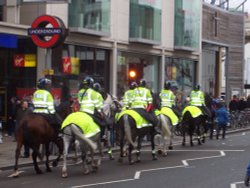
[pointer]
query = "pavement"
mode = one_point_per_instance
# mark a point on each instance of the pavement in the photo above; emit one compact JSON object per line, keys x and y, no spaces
{"x":8,"y":147}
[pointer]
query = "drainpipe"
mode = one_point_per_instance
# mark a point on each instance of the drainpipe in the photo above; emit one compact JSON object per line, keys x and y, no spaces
{"x":113,"y":71}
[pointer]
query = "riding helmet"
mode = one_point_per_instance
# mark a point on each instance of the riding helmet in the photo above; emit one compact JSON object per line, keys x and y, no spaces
{"x":167,"y":85}
{"x":133,"y":85}
{"x":143,"y":82}
{"x":96,"y":86}
{"x":43,"y":82}
{"x":88,"y":82}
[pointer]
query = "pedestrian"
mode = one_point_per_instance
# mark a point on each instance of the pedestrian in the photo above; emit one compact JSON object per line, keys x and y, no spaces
{"x":247,"y":177}
{"x":222,"y":119}
{"x":233,"y":104}
{"x":21,"y":112}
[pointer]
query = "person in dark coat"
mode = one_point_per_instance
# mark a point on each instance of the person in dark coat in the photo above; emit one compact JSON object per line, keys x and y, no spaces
{"x":247,"y":177}
{"x":233,"y":105}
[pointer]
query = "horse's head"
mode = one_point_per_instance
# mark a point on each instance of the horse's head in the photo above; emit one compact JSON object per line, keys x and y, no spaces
{"x":111,"y":105}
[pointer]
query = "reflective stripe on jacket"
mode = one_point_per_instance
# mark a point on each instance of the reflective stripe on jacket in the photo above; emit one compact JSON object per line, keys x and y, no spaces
{"x":167,"y":98}
{"x":197,"y":98}
{"x":142,"y":97}
{"x":128,"y":98}
{"x":88,"y":100}
{"x":43,"y":102}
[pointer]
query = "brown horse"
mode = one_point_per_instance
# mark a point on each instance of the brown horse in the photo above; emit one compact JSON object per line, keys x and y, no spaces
{"x":33,"y":131}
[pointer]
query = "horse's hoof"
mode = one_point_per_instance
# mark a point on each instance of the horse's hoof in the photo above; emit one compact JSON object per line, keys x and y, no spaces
{"x":54,"y":163}
{"x":48,"y":170}
{"x":170,"y":147}
{"x":64,"y":175}
{"x":164,"y":154}
{"x":155,"y":158}
{"x":39,"y":171}
{"x":95,"y":168}
{"x":138,"y":160}
{"x":111,"y":157}
{"x":183,"y":144}
{"x":131,"y":162}
{"x":86,"y":171}
{"x":159,"y":151}
{"x":120,"y":160}
{"x":203,"y":141}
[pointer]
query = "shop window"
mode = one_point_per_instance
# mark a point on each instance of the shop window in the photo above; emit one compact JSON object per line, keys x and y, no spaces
{"x":133,"y":67}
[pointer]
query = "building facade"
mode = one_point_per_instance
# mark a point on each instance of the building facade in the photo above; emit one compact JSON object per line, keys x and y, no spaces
{"x":161,"y":40}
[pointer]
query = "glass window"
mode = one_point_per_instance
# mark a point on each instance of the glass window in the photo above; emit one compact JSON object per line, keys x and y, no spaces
{"x":145,"y":19}
{"x":90,"y":14}
{"x":187,"y":23}
{"x":80,"y":61}
{"x":145,"y":66}
{"x":182,"y":72}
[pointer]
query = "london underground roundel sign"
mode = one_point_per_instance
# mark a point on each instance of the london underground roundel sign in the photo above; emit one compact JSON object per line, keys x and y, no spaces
{"x":47,"y":31}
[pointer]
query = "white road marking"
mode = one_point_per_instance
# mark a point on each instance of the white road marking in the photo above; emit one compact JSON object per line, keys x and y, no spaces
{"x":184,"y":162}
{"x":234,"y":185}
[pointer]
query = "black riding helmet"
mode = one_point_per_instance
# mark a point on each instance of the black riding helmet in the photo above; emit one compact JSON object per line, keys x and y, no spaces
{"x":133,"y":85}
{"x":167,"y":85}
{"x":96,"y":86}
{"x":88,"y":82}
{"x":143,"y":82}
{"x":44,"y":83}
{"x":197,"y":87}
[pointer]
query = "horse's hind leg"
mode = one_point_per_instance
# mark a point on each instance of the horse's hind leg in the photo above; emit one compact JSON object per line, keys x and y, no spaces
{"x":18,"y":150}
{"x":138,"y":150}
{"x":34,"y":157}
{"x":66,"y":142}
{"x":153,"y":145}
{"x":48,"y":169}
{"x":59,"y":143}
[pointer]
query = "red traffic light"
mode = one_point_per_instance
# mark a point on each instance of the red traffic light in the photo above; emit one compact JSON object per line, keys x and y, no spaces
{"x":132,"y":74}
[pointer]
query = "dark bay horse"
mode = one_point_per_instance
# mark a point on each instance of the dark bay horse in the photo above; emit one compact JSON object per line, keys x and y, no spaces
{"x":33,"y":131}
{"x":127,"y":131}
{"x":193,"y":122}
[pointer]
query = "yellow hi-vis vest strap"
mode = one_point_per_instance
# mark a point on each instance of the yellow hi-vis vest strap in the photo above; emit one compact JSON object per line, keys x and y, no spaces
{"x":169,"y":113}
{"x":84,"y":122}
{"x":194,"y":111}
{"x":139,"y":120}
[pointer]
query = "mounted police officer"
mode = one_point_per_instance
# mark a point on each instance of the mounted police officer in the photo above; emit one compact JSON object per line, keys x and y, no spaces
{"x":168,"y":98}
{"x":44,"y":103}
{"x":89,"y":101}
{"x":128,"y":95}
{"x":197,"y":99}
{"x":142,"y":104}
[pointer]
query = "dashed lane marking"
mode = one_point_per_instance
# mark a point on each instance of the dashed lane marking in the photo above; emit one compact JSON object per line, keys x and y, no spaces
{"x":184,"y":162}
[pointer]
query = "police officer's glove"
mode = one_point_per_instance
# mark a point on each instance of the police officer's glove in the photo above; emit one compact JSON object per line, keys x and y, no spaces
{"x":247,"y":181}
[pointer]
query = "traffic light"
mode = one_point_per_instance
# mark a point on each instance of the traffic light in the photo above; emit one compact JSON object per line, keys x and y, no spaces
{"x":132,"y":74}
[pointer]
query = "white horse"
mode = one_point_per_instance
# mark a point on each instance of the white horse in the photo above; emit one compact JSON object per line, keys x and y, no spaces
{"x":87,"y":142}
{"x":166,"y":134}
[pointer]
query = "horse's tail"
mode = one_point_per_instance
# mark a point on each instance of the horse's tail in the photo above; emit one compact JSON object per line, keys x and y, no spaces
{"x":165,"y":124}
{"x":127,"y":130}
{"x":76,"y":131}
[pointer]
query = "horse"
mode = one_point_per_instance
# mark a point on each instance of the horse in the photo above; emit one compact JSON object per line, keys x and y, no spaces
{"x":193,"y":121}
{"x":127,"y":128}
{"x":75,"y":128}
{"x":167,"y":122}
{"x":33,"y":131}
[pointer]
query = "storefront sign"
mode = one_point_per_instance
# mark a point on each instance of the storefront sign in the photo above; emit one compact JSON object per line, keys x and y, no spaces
{"x":8,"y":40}
{"x":47,"y":31}
{"x":71,"y":65}
{"x":24,"y":60}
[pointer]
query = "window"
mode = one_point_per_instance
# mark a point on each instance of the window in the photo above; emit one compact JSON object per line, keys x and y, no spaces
{"x":1,"y":13}
{"x":187,"y":23}
{"x":90,"y":14}
{"x":145,"y":19}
